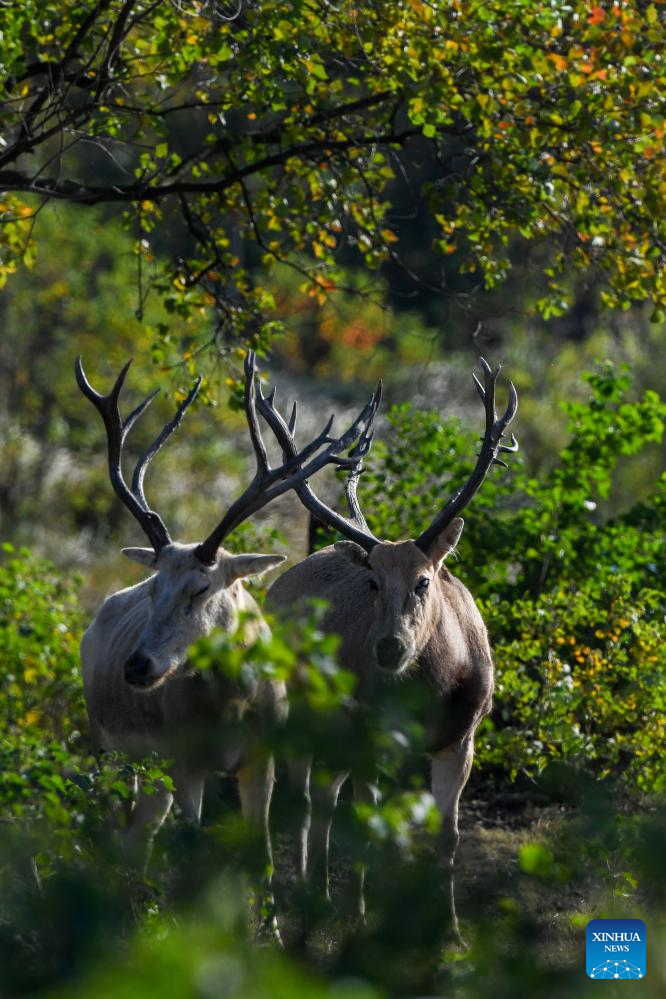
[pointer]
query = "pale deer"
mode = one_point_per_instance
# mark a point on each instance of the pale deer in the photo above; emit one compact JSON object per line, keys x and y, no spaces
{"x":140,"y":692}
{"x":400,"y":614}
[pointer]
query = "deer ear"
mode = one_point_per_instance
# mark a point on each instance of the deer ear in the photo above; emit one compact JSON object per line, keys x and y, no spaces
{"x":144,"y":556}
{"x":446,"y":541}
{"x":240,"y":566}
{"x":352,"y":552}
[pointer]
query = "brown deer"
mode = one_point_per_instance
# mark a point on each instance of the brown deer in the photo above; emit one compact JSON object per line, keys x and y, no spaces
{"x":140,"y":692}
{"x":400,"y":614}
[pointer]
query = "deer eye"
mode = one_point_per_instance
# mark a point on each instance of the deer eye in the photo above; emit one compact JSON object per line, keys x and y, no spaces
{"x":422,"y":585}
{"x":189,"y":606}
{"x":372,"y":583}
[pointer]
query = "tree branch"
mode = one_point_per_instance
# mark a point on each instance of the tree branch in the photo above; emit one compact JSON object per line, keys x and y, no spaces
{"x":68,"y":190}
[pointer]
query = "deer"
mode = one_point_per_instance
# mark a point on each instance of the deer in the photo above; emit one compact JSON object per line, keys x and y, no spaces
{"x":401,"y":615}
{"x":141,"y":694}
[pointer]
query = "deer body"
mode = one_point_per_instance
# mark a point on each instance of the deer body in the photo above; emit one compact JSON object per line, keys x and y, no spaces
{"x":400,"y":613}
{"x":142,"y":696}
{"x":433,"y":643}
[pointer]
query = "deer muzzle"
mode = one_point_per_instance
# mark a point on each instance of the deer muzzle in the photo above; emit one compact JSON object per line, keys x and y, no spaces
{"x":140,"y":670}
{"x":392,"y":653}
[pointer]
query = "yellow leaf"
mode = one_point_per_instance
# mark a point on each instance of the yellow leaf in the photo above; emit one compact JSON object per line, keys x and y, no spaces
{"x":558,"y":61}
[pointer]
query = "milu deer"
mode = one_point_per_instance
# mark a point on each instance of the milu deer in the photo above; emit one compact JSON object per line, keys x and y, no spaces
{"x":140,"y":692}
{"x":400,"y":614}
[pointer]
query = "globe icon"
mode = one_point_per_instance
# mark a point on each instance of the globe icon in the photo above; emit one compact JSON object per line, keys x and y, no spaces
{"x":616,"y":969}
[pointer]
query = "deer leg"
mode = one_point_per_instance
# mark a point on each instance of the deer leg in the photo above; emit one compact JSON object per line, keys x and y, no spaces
{"x":450,"y":771}
{"x":324,"y":799}
{"x":255,"y":786}
{"x":188,"y":795}
{"x":299,"y":781}
{"x":147,"y":817}
{"x":129,"y":804}
{"x":366,"y":794}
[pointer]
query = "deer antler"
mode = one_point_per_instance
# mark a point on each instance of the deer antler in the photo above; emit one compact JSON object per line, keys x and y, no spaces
{"x":490,"y":448}
{"x":117,"y":430}
{"x":355,"y":529}
{"x":297,"y":466}
{"x":358,"y":453}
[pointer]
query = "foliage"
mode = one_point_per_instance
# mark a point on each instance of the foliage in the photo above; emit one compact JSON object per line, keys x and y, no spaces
{"x":285,"y":127}
{"x":574,"y":600}
{"x":48,"y":779}
{"x":39,"y":632}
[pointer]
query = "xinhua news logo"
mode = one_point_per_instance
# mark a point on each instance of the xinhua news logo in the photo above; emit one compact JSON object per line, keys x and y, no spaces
{"x":615,"y":948}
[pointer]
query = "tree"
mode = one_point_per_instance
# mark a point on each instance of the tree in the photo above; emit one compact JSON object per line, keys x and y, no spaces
{"x":220,"y":130}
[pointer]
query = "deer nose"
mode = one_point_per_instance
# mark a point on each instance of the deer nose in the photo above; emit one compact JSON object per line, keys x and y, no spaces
{"x":138,"y":669}
{"x":390,"y":652}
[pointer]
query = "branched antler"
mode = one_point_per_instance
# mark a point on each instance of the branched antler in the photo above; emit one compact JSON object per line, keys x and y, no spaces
{"x":297,"y":466}
{"x":491,"y":446}
{"x":117,"y":430}
{"x":355,"y":529}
